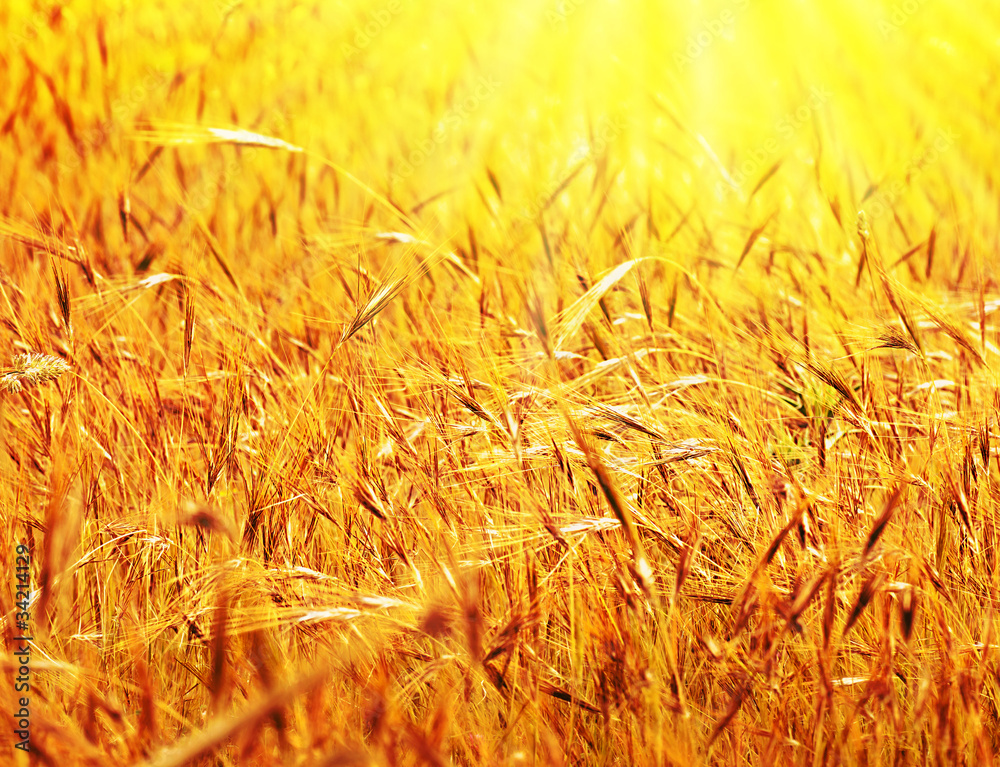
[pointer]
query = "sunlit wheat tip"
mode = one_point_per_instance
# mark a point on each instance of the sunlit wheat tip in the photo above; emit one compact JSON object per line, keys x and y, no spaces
{"x":864,"y":228}
{"x":170,"y":133}
{"x":32,"y":369}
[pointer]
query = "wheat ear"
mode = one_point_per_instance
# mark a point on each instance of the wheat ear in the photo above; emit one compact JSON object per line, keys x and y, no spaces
{"x":32,"y":369}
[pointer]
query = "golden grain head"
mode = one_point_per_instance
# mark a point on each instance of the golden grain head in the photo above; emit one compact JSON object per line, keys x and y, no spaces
{"x":32,"y":369}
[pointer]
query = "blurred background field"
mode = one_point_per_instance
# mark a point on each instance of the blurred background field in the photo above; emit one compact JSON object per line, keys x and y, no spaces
{"x":578,"y":382}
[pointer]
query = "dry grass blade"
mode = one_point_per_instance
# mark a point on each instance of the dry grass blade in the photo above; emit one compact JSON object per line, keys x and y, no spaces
{"x":561,"y":694}
{"x":688,"y":553}
{"x":735,"y":704}
{"x":883,"y":519}
{"x":26,"y":235}
{"x":754,"y":236}
{"x":955,"y":331}
{"x":961,"y":502}
{"x":782,"y":534}
{"x":768,"y":175}
{"x":830,"y":608}
{"x":735,"y":457}
{"x":805,"y":596}
{"x":868,"y":590}
{"x":931,"y":242}
{"x":714,"y":158}
{"x":640,"y":564}
{"x":448,"y":256}
{"x":647,"y":304}
{"x":189,"y":324}
{"x":562,"y":186}
{"x":221,"y":729}
{"x":216,"y":250}
{"x":570,"y":320}
{"x":908,"y":603}
{"x":907,"y":255}
{"x":179,"y":133}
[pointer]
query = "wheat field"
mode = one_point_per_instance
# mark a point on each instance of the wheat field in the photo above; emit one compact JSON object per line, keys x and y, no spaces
{"x":584,"y":382}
